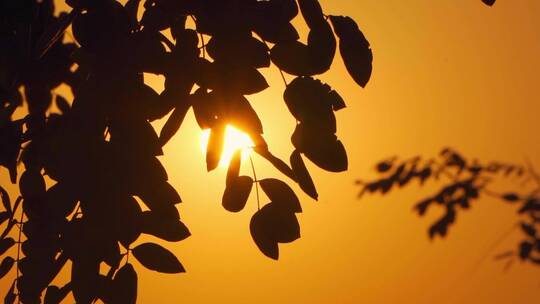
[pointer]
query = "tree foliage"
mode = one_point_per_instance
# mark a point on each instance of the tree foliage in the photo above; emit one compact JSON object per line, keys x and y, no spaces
{"x":100,"y":150}
{"x":466,"y":181}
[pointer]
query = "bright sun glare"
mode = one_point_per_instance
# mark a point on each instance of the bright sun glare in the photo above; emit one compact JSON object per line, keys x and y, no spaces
{"x":234,"y":140}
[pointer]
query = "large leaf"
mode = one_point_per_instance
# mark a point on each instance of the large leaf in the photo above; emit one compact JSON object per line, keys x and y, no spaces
{"x":281,"y":194}
{"x":125,"y":285}
{"x":166,"y":228}
{"x":302,"y":175}
{"x":214,"y":148}
{"x":157,"y":258}
{"x":237,"y":193}
{"x":354,"y":49}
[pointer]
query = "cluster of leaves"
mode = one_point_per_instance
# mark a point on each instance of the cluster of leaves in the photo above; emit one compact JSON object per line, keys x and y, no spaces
{"x":466,"y":181}
{"x":100,"y":150}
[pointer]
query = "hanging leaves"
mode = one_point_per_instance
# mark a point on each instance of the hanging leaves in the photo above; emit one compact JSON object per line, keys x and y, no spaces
{"x":157,"y":258}
{"x":302,"y":175}
{"x":354,"y":48}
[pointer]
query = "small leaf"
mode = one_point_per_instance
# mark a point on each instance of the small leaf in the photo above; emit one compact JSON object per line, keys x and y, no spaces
{"x":215,"y":147}
{"x":6,"y":265}
{"x":234,"y":167}
{"x":10,"y":296}
{"x":511,"y":197}
{"x":168,"y":229}
{"x":5,"y":244}
{"x":5,"y":199}
{"x":528,"y":229}
{"x":157,"y":258}
{"x":173,"y":124}
{"x":302,"y":175}
{"x":525,"y":249}
{"x":489,"y":2}
{"x":125,"y":285}
{"x":281,"y":194}
{"x":237,"y":193}
{"x":355,"y":49}
{"x":62,"y":104}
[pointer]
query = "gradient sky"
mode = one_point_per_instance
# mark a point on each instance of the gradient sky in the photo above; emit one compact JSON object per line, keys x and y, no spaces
{"x":446,"y":73}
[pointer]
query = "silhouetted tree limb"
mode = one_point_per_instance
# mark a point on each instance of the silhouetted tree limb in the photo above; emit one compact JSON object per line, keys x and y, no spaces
{"x":465,"y":181}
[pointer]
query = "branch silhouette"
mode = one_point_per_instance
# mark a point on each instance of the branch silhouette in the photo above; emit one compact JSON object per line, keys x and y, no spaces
{"x":465,"y":181}
{"x":100,"y":148}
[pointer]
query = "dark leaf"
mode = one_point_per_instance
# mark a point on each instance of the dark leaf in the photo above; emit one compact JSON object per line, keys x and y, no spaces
{"x":281,"y":194}
{"x":4,"y":215}
{"x":52,"y":295}
{"x":511,"y":197}
{"x":528,"y":229}
{"x":157,"y":258}
{"x":302,"y":175}
{"x":10,"y":295}
{"x":85,"y":280}
{"x":312,"y":13}
{"x":234,"y":167}
{"x":125,"y":285}
{"x":32,"y":184}
{"x":237,"y":193}
{"x":354,"y":49}
{"x":173,"y":124}
{"x":54,"y":32}
{"x":169,"y":229}
{"x":6,"y":265}
{"x":276,"y":162}
{"x":258,"y":226}
{"x":5,"y":244}
{"x":489,"y":2}
{"x":273,"y":224}
{"x":525,"y":249}
{"x":62,"y":104}
{"x":6,"y":202}
{"x":215,"y":147}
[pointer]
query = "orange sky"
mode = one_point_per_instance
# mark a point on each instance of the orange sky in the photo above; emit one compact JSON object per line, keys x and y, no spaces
{"x":445,"y":73}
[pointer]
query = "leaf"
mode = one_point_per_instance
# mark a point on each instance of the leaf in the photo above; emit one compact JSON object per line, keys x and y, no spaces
{"x":157,"y":258}
{"x":5,"y":244}
{"x":31,"y":184}
{"x":6,"y":202}
{"x":125,"y":285}
{"x":237,"y":193}
{"x":215,"y":147}
{"x":4,"y":215}
{"x":528,"y":229}
{"x":312,"y":12}
{"x":525,"y":249}
{"x":272,"y":223}
{"x":6,"y":265}
{"x":85,"y":280}
{"x":276,"y":162}
{"x":259,"y":232}
{"x":511,"y":197}
{"x":10,"y":295}
{"x":489,"y":2}
{"x":173,"y":124}
{"x":303,"y":178}
{"x":354,"y":48}
{"x":62,"y":104}
{"x":168,"y":229}
{"x":234,"y":167}
{"x":281,"y":194}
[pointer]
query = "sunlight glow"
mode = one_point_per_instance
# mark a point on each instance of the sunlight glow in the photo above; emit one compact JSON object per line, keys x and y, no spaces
{"x":234,"y":140}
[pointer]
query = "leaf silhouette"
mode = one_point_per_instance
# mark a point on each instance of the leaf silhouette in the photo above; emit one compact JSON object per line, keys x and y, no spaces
{"x":55,"y":32}
{"x":157,"y":258}
{"x":6,"y":265}
{"x":10,"y":295}
{"x":258,"y":226}
{"x":215,"y":147}
{"x":173,"y":124}
{"x":354,"y":48}
{"x":302,"y":175}
{"x":6,"y":202}
{"x":234,"y":167}
{"x":5,"y":244}
{"x":237,"y":193}
{"x":281,"y":194}
{"x":169,"y":229}
{"x":489,"y":2}
{"x":125,"y":285}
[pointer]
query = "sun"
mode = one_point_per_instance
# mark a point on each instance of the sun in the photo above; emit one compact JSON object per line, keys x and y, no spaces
{"x":234,"y":140}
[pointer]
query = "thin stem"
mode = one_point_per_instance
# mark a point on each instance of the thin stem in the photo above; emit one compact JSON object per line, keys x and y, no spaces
{"x":256,"y":181}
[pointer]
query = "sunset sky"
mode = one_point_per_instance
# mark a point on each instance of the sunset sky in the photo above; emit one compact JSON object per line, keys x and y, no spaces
{"x":446,"y":73}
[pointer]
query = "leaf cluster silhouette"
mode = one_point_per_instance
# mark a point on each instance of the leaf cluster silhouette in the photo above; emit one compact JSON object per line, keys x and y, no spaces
{"x":465,"y":181}
{"x":100,"y":150}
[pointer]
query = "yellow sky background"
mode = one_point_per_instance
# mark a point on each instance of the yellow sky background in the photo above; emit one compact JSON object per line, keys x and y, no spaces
{"x":446,"y":73}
